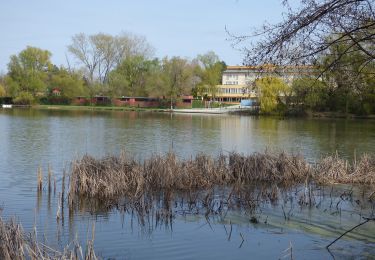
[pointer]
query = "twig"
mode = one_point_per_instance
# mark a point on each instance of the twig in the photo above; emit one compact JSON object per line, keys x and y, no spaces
{"x":243,"y":240}
{"x":230,"y":231}
{"x":350,"y":230}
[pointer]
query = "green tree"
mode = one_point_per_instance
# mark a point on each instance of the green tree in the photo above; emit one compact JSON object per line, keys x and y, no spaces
{"x":177,"y":77}
{"x":270,"y":91}
{"x":309,"y":93}
{"x":349,"y":76}
{"x":210,"y":73}
{"x":133,"y":76}
{"x":70,"y":84}
{"x":2,"y":91}
{"x":28,"y":71}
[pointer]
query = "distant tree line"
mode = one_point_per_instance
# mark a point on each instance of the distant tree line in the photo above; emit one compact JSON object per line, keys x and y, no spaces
{"x":107,"y":65}
{"x":345,"y":87}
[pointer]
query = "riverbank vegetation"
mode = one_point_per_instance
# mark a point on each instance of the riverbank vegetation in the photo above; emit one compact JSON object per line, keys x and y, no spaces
{"x":161,"y":188}
{"x":267,"y":189}
{"x":15,"y":244}
{"x":111,"y":66}
{"x":113,"y":177}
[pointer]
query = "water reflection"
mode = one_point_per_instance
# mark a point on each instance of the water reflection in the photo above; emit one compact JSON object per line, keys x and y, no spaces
{"x":236,"y":214}
{"x":32,"y":138}
{"x":33,"y":134}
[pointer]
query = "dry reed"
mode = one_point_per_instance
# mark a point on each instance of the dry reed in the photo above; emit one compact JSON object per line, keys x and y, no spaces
{"x":40,"y":179}
{"x":15,"y":245}
{"x":113,"y":177}
{"x":333,"y":169}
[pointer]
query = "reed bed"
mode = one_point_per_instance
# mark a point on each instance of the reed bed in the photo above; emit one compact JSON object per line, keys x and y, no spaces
{"x":115,"y":176}
{"x":112,"y":176}
{"x":333,"y":169}
{"x":16,"y":245}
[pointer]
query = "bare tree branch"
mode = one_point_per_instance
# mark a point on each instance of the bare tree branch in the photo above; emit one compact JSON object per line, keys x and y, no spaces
{"x":308,"y":32}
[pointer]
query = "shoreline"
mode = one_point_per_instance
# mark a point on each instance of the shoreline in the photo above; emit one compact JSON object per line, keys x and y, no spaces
{"x":216,"y":111}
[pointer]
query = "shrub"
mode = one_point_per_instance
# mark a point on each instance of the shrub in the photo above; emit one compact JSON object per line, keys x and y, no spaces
{"x":24,"y":98}
{"x":55,"y":100}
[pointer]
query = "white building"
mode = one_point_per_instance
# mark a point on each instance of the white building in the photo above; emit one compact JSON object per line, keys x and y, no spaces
{"x":238,"y":81}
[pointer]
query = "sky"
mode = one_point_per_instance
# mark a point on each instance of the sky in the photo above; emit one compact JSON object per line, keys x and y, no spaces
{"x":182,"y":28}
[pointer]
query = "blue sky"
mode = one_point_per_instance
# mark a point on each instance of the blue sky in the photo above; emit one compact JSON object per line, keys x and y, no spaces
{"x":174,"y":28}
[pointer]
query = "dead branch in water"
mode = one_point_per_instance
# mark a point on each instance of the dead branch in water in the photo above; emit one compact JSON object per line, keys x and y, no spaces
{"x":350,"y":230}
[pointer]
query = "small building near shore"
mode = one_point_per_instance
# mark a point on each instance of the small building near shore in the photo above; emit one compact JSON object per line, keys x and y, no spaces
{"x":56,"y":92}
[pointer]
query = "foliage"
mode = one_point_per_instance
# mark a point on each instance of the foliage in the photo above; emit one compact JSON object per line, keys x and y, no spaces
{"x":2,"y":91}
{"x":133,"y":76}
{"x":337,"y":36}
{"x":177,"y":77}
{"x":198,"y":104}
{"x":24,"y":98}
{"x":210,"y":72}
{"x":309,"y":93}
{"x":69,"y":84}
{"x":55,"y":100}
{"x":28,"y":71}
{"x":270,"y":91}
{"x":351,"y":85}
{"x":101,"y":53}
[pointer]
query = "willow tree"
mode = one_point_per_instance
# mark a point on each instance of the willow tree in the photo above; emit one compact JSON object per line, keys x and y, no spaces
{"x":271,"y":91}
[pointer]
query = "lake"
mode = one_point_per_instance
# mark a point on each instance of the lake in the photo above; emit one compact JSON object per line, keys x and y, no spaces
{"x":31,"y":138}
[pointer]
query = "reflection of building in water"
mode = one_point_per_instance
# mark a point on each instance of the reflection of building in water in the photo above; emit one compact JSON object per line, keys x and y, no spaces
{"x":237,"y":134}
{"x":248,"y":135}
{"x":238,"y":81}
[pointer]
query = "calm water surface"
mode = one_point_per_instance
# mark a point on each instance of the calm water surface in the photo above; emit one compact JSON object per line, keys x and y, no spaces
{"x":33,"y":138}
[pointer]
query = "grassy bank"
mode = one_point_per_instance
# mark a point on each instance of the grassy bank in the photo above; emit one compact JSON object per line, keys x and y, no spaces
{"x":243,"y":112}
{"x":96,"y":108}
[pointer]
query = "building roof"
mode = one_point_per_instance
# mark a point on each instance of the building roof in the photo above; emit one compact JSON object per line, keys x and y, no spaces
{"x":269,"y":68}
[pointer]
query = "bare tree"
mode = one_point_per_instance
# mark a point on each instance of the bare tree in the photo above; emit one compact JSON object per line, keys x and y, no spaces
{"x":131,"y":45}
{"x":306,"y":33}
{"x":83,"y":49}
{"x":100,"y":53}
